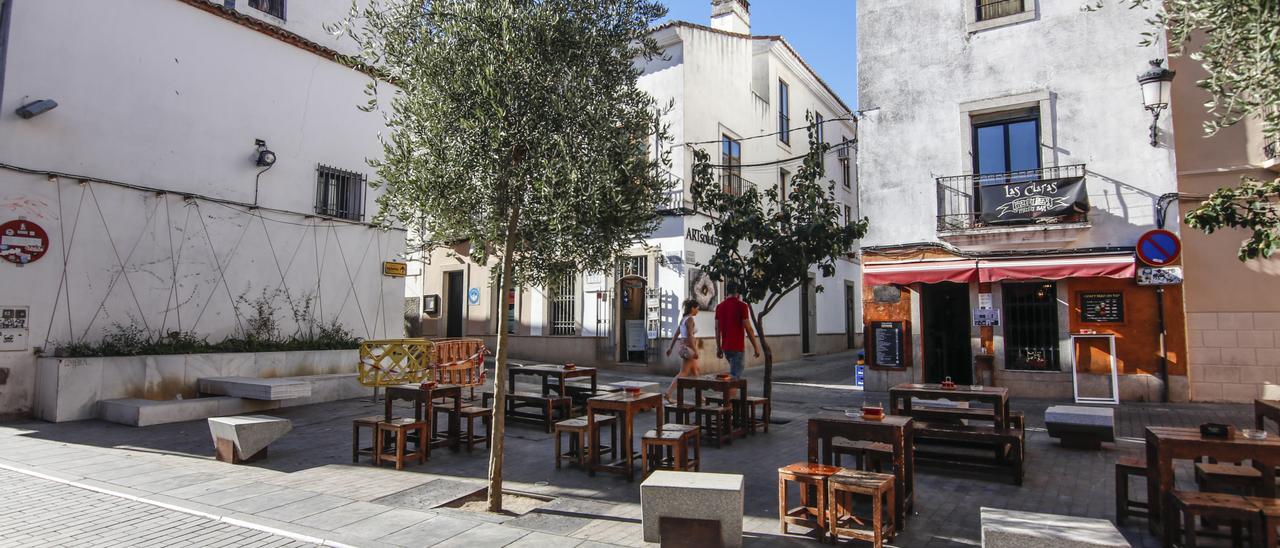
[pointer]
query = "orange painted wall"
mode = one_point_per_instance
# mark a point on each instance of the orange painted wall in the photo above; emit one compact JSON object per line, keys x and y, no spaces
{"x":900,"y":311}
{"x":1137,"y":339}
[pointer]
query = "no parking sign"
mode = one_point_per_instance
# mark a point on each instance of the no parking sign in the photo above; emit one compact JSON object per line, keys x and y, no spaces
{"x":1159,"y":247}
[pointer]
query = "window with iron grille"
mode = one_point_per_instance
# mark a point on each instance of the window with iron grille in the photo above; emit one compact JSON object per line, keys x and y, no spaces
{"x":1031,"y":326}
{"x":339,"y":193}
{"x":784,"y":112}
{"x":731,"y":160}
{"x":634,"y":266}
{"x":992,"y":9}
{"x":564,"y":307}
{"x":271,"y":7}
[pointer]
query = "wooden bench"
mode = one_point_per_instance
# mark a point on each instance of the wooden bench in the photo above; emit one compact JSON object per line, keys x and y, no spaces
{"x":546,"y":406}
{"x":1008,"y":443}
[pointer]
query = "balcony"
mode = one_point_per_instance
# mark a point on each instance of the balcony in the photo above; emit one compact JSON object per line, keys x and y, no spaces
{"x":1036,"y":200}
{"x":677,"y":202}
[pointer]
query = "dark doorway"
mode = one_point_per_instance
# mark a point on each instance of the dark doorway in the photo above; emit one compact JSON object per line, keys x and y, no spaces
{"x":851,"y":315}
{"x":631,"y":303}
{"x":1031,"y":326}
{"x":453,"y":304}
{"x":945,"y":310}
{"x":808,"y":315}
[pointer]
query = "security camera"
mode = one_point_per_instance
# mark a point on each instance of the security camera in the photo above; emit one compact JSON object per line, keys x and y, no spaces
{"x":36,"y":108}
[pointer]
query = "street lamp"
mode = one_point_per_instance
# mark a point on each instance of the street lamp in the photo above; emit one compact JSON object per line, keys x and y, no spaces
{"x":1157,"y":83}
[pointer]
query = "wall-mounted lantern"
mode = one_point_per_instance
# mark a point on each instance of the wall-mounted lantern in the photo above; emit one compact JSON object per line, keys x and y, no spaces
{"x":1157,"y":85}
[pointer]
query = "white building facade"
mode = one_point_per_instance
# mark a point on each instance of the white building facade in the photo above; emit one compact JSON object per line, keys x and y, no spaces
{"x":743,"y":99}
{"x":153,"y":208}
{"x":1008,"y":176}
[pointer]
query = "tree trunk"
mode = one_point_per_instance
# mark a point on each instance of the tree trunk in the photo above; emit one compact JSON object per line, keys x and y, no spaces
{"x":500,"y":371}
{"x":758,"y":321}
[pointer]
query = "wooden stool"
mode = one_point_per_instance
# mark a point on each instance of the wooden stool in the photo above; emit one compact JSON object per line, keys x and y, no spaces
{"x":1270,"y":509}
{"x":812,"y":512}
{"x":867,"y":455}
{"x":758,"y":420}
{"x":1228,"y":478}
{"x":841,"y":520}
{"x":678,"y":413}
{"x":401,"y":428}
{"x":1125,"y":507}
{"x":364,"y":422}
{"x":1233,"y":509}
{"x":469,"y":415}
{"x":669,"y":449}
{"x":579,"y":437}
{"x":716,"y":422}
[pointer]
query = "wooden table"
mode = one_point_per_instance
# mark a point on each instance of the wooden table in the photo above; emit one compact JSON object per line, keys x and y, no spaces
{"x":550,"y":371}
{"x":1266,"y":409}
{"x":1165,"y":444}
{"x":626,"y":407}
{"x":422,"y":406}
{"x":723,"y":386}
{"x":998,"y":397}
{"x":893,"y":430}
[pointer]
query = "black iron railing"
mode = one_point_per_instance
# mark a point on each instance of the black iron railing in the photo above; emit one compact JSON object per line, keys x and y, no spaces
{"x":992,"y":9}
{"x":1270,"y":150}
{"x":677,"y":202}
{"x":959,"y":199}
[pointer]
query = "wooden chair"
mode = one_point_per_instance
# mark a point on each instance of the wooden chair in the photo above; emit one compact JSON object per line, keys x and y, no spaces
{"x":842,"y":487}
{"x":358,"y":424}
{"x":1126,"y":467}
{"x":579,"y":437}
{"x":716,"y":422}
{"x":400,"y":429}
{"x":678,"y":413}
{"x":812,"y":512}
{"x":1233,"y":509}
{"x":676,"y":447}
{"x":759,"y":419}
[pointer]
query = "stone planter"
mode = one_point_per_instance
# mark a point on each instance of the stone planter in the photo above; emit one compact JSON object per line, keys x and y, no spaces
{"x":69,"y":389}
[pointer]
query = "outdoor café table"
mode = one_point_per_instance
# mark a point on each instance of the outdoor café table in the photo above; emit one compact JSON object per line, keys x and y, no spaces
{"x":422,"y":405}
{"x":1266,"y":409}
{"x":723,"y":386}
{"x":1166,"y":444}
{"x":998,"y":397}
{"x":894,"y":430}
{"x":626,"y":406}
{"x":549,"y":371}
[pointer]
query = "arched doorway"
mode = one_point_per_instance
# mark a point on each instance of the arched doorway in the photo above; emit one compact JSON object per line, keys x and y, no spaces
{"x":632,"y":332}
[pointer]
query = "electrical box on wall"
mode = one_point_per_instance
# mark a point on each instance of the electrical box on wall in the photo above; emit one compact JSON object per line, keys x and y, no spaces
{"x":430,"y":304}
{"x":14,"y":327}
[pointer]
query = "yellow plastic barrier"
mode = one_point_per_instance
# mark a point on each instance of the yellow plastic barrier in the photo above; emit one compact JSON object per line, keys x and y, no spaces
{"x":392,"y":362}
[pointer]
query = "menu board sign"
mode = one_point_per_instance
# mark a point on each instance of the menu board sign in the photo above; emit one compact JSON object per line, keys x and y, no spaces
{"x":886,"y":344}
{"x":1102,"y":307}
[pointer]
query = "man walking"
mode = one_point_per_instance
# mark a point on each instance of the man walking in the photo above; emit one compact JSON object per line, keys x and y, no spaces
{"x":733,"y":319}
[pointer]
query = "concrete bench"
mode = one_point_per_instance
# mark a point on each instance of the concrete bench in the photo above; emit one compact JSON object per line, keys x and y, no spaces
{"x":242,"y":439}
{"x":1014,"y":529}
{"x":1081,"y":427}
{"x":255,"y":388}
{"x":693,"y":496}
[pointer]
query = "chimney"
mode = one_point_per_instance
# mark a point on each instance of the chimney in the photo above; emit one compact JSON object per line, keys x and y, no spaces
{"x":731,"y":16}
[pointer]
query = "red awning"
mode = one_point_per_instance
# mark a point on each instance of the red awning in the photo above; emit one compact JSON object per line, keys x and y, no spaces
{"x":1056,"y":268}
{"x":995,"y":270}
{"x":928,"y":272}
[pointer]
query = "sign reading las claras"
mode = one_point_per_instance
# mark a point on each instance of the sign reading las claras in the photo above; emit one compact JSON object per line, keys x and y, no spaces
{"x":1029,"y":200}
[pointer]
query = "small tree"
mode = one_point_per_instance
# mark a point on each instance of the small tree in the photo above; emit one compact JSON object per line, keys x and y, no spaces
{"x":519,"y":128}
{"x":1239,"y":48}
{"x":770,"y":243}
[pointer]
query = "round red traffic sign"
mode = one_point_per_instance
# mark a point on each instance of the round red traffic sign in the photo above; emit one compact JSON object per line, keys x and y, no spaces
{"x":1159,"y":247}
{"x":22,"y":241}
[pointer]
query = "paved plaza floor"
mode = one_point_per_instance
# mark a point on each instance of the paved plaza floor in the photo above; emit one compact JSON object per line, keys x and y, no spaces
{"x":309,"y":491}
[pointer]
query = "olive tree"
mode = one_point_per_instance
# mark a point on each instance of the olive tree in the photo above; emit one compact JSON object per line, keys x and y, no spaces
{"x":519,"y":128}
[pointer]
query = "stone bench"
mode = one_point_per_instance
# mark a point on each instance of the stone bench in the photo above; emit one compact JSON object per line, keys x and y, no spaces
{"x":696,"y":496}
{"x":1013,"y":529}
{"x":245,"y":438}
{"x":255,"y":389}
{"x":1081,"y":427}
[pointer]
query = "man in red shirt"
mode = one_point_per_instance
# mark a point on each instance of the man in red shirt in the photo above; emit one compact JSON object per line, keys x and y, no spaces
{"x":733,"y":319}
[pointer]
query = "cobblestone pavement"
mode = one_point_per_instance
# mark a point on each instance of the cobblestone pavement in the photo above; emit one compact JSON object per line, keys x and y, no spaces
{"x":309,"y":486}
{"x":41,"y":512}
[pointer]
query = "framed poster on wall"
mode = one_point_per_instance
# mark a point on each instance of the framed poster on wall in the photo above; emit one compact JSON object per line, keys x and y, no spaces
{"x":886,"y":344}
{"x":1102,"y":307}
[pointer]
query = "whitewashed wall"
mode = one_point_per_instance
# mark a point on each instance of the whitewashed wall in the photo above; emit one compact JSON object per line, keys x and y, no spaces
{"x":164,"y":95}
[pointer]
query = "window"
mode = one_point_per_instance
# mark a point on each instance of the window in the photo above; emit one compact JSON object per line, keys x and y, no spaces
{"x":783,"y":177}
{"x":271,"y":7}
{"x":992,"y":9}
{"x":637,"y":265}
{"x":731,"y":160}
{"x":784,"y":113}
{"x":1005,"y":143}
{"x":1031,"y":326}
{"x":564,"y":307}
{"x":846,"y":175}
{"x":817,"y":122}
{"x":339,"y":193}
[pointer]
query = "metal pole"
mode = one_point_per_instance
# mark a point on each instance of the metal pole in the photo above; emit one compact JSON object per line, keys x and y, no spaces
{"x":1164,"y":359}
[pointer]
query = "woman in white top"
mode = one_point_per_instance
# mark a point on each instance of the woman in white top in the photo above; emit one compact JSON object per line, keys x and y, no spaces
{"x":686,"y":336}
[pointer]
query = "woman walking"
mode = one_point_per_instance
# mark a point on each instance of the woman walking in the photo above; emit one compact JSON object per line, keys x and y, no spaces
{"x":686,"y":337}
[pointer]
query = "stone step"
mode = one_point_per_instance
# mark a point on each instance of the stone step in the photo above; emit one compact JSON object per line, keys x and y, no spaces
{"x":141,"y":412}
{"x":256,"y":389}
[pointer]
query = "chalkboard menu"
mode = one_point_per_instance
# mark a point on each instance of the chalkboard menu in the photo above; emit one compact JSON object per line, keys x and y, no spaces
{"x":1102,"y":307}
{"x":886,"y":344}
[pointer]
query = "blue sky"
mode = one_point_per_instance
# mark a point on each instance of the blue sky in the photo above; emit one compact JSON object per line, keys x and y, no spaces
{"x":821,"y":31}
